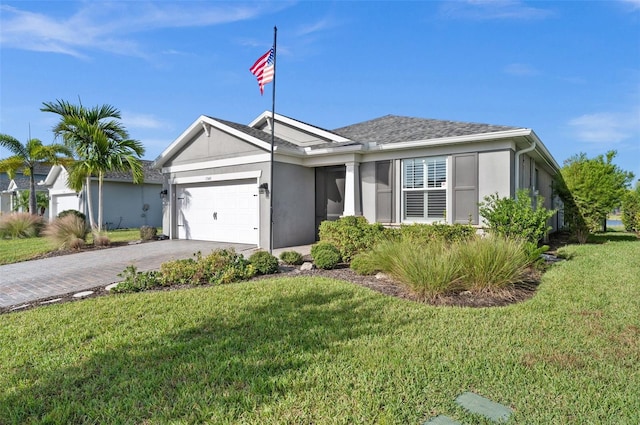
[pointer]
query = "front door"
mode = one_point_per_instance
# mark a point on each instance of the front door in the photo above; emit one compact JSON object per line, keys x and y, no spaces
{"x":329,"y":193}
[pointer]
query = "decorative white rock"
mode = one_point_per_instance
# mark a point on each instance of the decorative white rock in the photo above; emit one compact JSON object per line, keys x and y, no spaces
{"x":306,"y":266}
{"x":82,"y":294}
{"x":110,"y":287}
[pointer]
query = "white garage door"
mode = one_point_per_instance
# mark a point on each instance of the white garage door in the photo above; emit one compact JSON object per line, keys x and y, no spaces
{"x":224,"y":211}
{"x":64,"y":202}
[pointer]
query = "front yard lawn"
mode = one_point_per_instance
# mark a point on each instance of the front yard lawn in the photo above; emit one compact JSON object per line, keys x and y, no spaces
{"x":16,"y":250}
{"x":315,"y":350}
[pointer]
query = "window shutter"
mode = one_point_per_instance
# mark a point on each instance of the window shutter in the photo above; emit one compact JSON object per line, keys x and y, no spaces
{"x":465,"y":188}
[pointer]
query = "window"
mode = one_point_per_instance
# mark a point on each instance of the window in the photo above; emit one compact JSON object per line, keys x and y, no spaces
{"x":424,"y":192}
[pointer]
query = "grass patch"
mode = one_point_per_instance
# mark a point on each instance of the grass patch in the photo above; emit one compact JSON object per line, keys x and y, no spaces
{"x":16,"y":250}
{"x":310,"y":350}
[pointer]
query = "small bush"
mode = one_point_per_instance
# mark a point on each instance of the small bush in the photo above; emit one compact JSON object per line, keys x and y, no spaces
{"x":425,"y":233}
{"x":351,"y":235}
{"x":148,"y":233}
{"x":73,"y":212}
{"x":516,"y":218}
{"x":101,"y":240}
{"x":293,"y":258}
{"x":365,"y":264}
{"x":264,"y":262}
{"x":20,"y":225}
{"x":492,"y":263}
{"x":135,"y":281}
{"x":221,"y":266}
{"x":631,"y":210}
{"x":325,"y":255}
{"x":68,"y":232}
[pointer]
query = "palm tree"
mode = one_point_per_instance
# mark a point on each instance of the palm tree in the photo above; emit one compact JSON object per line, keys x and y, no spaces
{"x":26,"y":157}
{"x":101,"y":144}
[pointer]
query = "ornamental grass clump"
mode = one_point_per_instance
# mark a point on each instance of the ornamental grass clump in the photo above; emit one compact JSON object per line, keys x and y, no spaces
{"x":67,"y":232}
{"x":428,"y":270}
{"x":20,"y":225}
{"x":293,"y":258}
{"x":492,"y":263}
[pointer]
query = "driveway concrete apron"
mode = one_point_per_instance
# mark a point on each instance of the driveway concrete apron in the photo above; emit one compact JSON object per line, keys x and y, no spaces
{"x":50,"y":277}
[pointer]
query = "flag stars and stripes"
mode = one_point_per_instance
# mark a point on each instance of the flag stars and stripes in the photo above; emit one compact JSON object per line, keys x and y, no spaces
{"x":264,"y":69}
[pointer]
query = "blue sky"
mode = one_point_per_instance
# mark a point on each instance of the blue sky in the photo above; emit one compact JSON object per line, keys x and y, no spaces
{"x":570,"y":70}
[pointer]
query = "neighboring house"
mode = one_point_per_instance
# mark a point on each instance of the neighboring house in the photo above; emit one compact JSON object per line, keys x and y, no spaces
{"x":10,"y":189}
{"x":391,"y":170}
{"x":125,"y":204}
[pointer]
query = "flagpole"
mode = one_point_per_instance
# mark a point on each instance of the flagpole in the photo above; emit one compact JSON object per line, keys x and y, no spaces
{"x":273,"y":125}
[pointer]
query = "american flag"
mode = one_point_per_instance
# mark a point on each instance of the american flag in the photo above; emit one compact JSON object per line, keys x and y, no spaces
{"x":263,"y":69}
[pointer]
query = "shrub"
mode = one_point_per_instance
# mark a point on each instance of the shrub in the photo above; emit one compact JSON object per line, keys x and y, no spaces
{"x":325,"y":255}
{"x":351,"y":235}
{"x":148,"y":233}
{"x":365,"y":264}
{"x":20,"y":225}
{"x":101,"y":239}
{"x":292,"y":257}
{"x":631,"y":211}
{"x":135,"y":281}
{"x":264,"y":262}
{"x":68,"y":232}
{"x":221,"y":266}
{"x":492,"y":263}
{"x":421,"y":233}
{"x":73,"y":212}
{"x":516,"y":218}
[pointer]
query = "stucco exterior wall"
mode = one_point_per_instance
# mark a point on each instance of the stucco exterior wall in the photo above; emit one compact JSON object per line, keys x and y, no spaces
{"x":216,"y":145}
{"x":293,"y":206}
{"x":123,"y":204}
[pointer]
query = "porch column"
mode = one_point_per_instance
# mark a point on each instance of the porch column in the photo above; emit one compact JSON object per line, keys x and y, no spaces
{"x":352,"y":204}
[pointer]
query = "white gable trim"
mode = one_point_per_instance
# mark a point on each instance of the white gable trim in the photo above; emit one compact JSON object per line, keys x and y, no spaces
{"x":265,"y":117}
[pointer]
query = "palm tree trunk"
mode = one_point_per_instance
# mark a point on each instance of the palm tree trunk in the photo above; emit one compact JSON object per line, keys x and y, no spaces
{"x":100,"y":179}
{"x":33,"y":209}
{"x":90,"y":203}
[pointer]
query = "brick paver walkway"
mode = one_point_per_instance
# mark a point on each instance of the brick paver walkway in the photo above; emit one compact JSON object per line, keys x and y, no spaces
{"x":32,"y":280}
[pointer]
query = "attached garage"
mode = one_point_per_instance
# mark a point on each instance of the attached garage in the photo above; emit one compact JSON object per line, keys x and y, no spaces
{"x":62,"y":202}
{"x":226,"y":211}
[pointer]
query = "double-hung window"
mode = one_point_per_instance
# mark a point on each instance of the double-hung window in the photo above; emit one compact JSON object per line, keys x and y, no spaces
{"x":424,"y":188}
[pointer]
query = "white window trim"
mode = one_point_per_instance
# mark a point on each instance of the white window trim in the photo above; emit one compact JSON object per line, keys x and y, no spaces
{"x":444,"y":218}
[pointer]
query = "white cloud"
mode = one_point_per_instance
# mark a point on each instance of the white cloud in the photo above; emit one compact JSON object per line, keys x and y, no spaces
{"x":109,"y":26}
{"x":145,"y":121}
{"x":607,"y":128}
{"x":493,"y":10}
{"x":521,"y":69}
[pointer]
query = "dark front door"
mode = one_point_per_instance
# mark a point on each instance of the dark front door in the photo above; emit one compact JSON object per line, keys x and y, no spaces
{"x":329,"y":193}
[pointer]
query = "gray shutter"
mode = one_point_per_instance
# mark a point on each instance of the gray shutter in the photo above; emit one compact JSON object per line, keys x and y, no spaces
{"x":465,"y":188}
{"x":384,"y":192}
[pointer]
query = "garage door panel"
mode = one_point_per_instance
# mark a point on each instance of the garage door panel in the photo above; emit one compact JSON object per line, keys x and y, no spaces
{"x":218,"y":212}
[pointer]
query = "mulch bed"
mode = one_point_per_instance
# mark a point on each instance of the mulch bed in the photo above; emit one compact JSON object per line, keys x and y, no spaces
{"x":515,"y":293}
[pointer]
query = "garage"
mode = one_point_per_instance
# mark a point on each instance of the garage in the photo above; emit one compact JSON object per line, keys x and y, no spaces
{"x":63,"y":202}
{"x":218,"y":211}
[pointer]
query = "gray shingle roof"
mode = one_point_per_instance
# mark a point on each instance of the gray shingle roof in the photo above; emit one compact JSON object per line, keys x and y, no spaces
{"x":151,"y":175}
{"x":394,"y":129}
{"x":40,"y":173}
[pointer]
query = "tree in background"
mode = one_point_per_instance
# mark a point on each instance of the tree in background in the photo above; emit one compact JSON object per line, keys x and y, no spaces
{"x":590,"y":190}
{"x":631,"y":209}
{"x":22,"y":202}
{"x":26,"y":156}
{"x":100,"y":143}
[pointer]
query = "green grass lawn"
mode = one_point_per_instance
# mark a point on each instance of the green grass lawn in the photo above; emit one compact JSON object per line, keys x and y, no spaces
{"x":305,"y":350}
{"x":15,"y":250}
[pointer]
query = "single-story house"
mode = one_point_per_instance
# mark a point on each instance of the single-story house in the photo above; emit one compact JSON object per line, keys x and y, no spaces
{"x":392,"y":170}
{"x":125,"y":204}
{"x":10,"y":189}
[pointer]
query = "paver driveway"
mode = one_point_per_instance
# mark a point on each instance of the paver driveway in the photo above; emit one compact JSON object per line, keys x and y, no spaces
{"x":49,"y":277}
